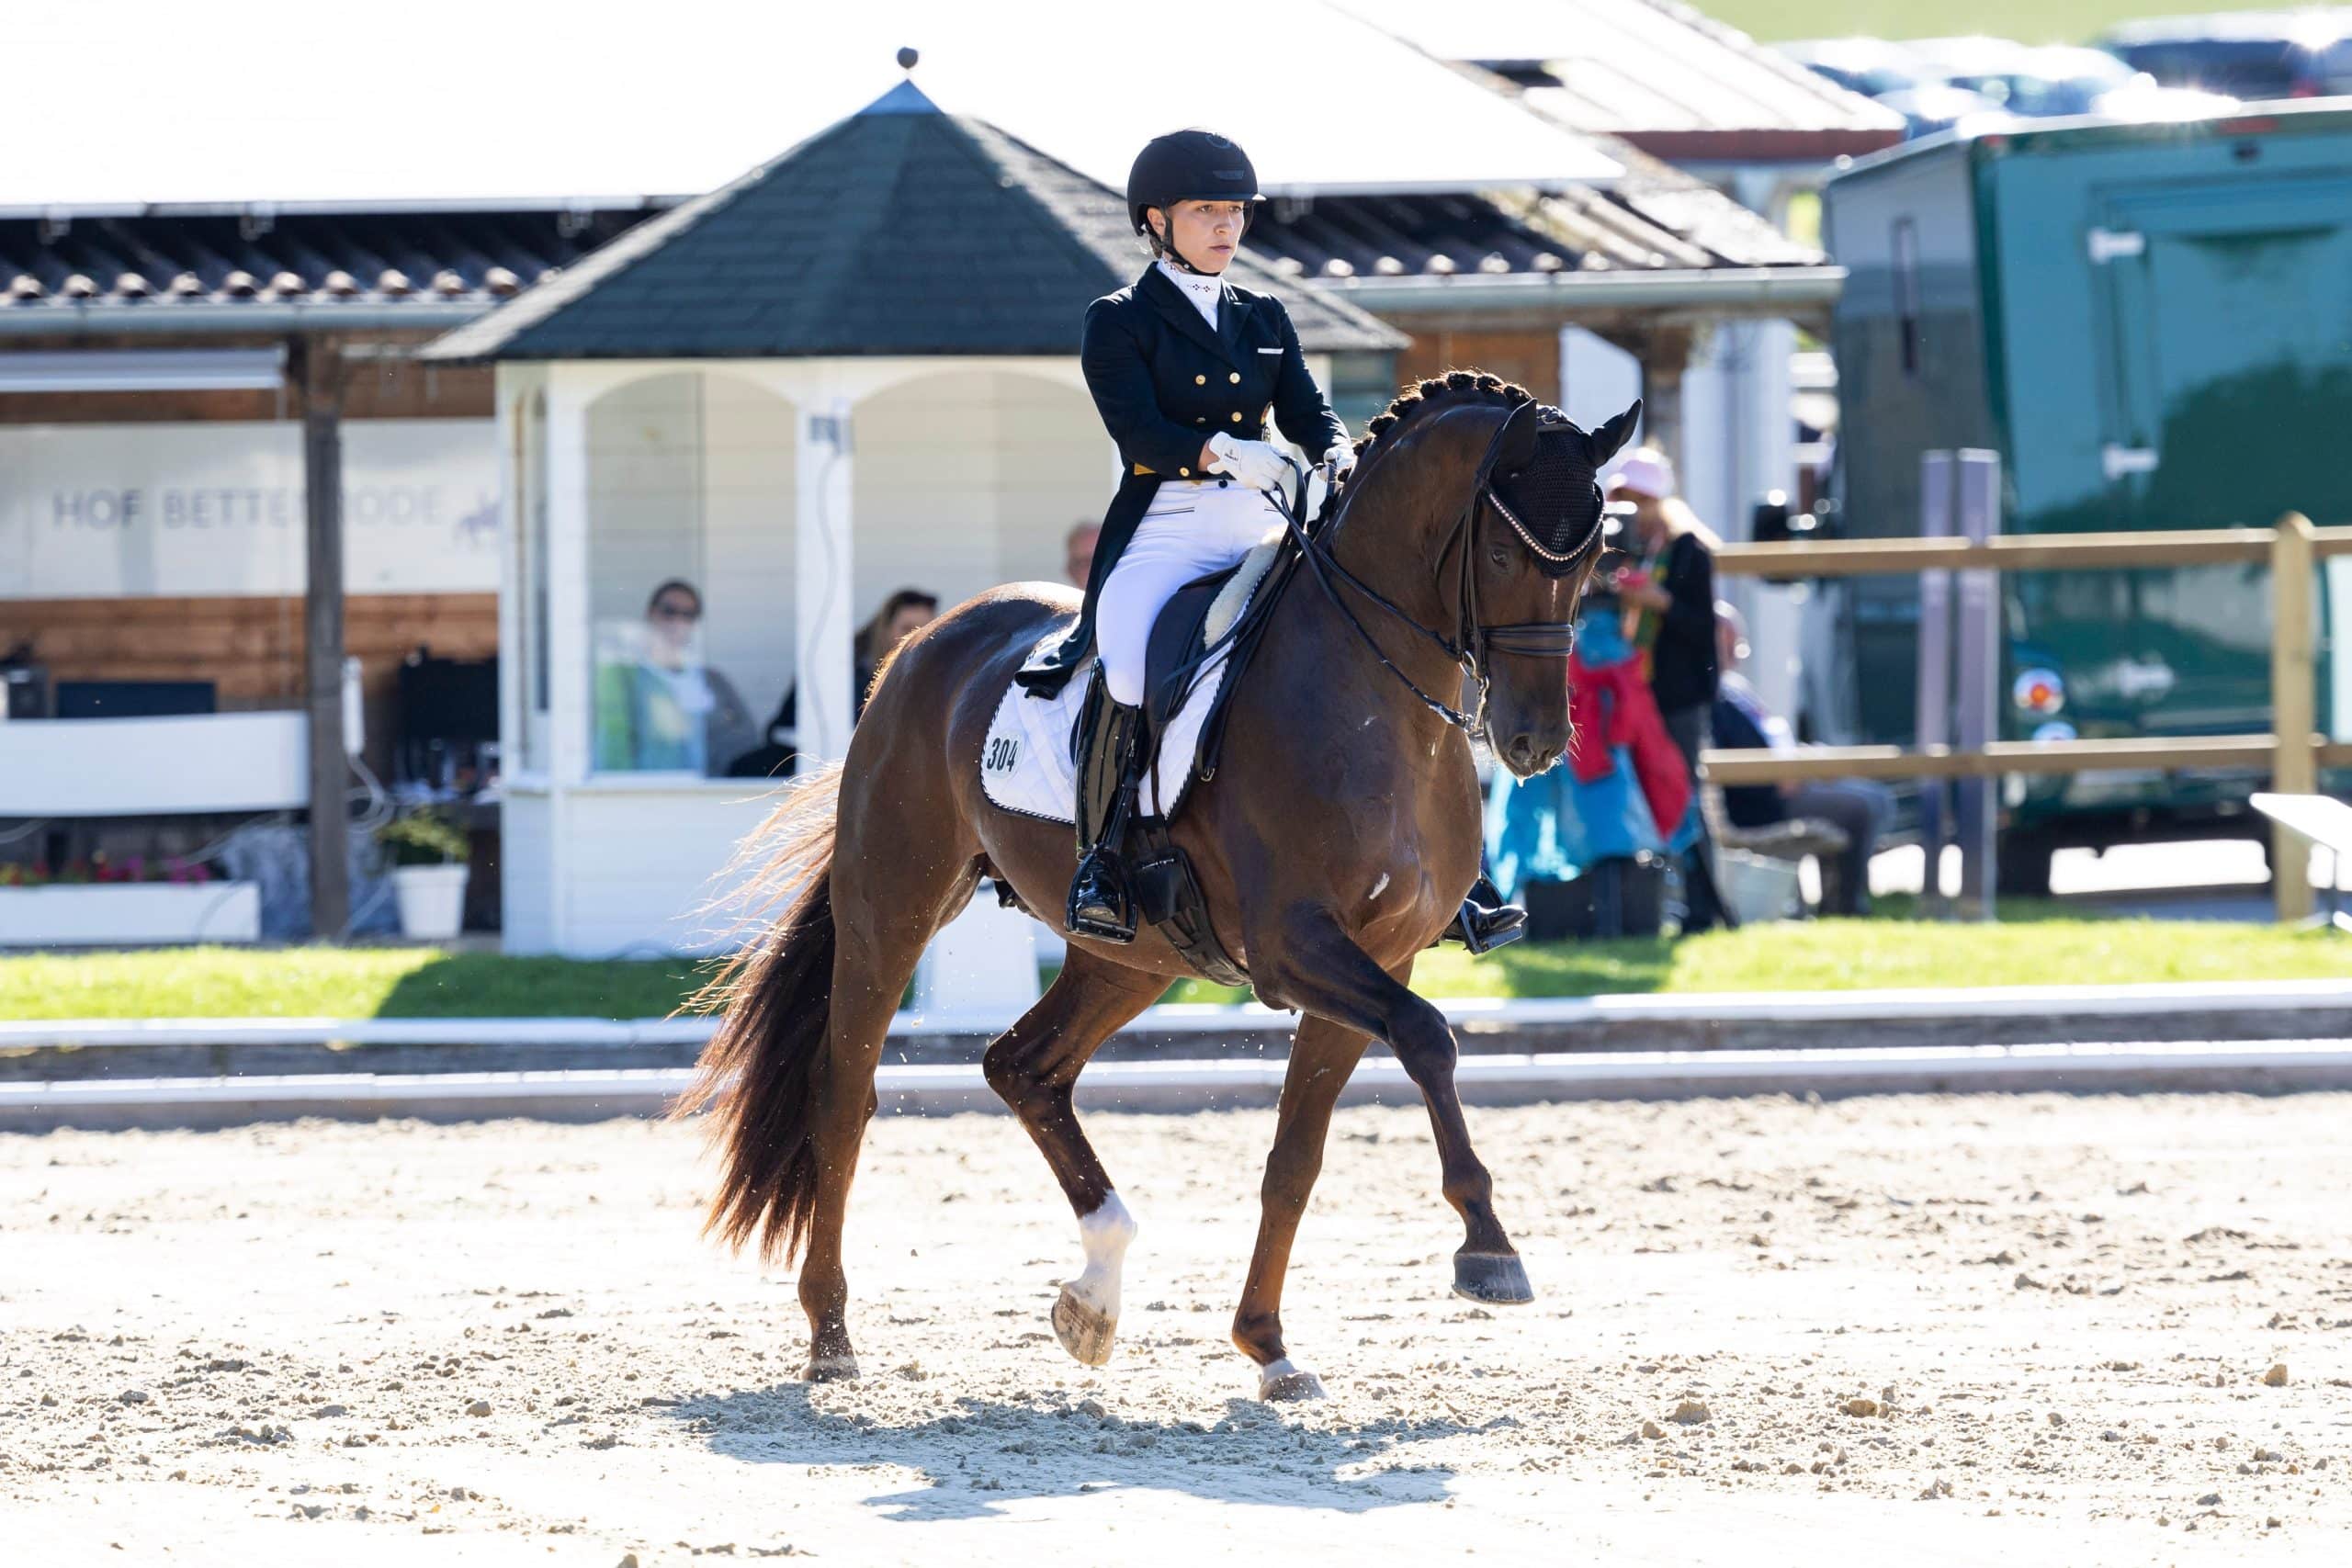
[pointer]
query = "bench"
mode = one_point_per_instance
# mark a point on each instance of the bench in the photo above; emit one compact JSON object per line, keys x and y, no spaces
{"x":2323,"y":821}
{"x":1758,"y":866}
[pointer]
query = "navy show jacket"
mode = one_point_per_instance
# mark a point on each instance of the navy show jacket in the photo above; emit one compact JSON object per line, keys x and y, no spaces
{"x":1164,"y":381}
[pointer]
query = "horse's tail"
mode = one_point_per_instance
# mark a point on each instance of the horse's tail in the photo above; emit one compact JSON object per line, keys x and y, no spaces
{"x":757,"y":1075}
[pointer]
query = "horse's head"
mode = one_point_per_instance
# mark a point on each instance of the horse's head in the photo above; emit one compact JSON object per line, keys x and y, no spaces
{"x":1534,"y":542}
{"x":1490,"y":533}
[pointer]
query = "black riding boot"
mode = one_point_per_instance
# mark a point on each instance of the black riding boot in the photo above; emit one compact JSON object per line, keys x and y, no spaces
{"x":1102,"y":902}
{"x":1485,"y":922}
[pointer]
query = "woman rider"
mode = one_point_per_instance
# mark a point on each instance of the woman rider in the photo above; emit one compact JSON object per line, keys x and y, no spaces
{"x":1184,"y":367}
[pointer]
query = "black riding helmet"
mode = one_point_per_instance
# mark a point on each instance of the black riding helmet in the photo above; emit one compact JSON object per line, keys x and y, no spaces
{"x":1186,"y":165}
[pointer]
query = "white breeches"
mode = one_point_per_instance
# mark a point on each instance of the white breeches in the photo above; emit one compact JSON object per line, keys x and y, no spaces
{"x":1194,"y":527}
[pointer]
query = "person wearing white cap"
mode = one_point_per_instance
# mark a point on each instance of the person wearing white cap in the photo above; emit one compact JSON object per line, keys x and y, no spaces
{"x":1671,"y":591}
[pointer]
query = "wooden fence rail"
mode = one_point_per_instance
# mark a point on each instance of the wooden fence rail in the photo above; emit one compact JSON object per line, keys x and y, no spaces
{"x":2293,"y":751}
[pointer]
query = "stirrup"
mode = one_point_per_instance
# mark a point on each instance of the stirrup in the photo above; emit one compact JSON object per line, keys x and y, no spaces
{"x":1101,"y":905}
{"x":1481,"y":930}
{"x":1485,"y":922}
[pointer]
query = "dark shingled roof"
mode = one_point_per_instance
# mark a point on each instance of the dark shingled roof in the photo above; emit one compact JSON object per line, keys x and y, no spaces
{"x":1654,"y":217}
{"x":882,"y":234}
{"x":165,"y":262}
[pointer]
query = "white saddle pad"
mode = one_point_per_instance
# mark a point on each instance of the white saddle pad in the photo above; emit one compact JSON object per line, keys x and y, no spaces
{"x":1026,"y":767}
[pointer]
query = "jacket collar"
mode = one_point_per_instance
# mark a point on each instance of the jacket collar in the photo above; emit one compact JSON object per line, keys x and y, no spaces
{"x":1170,"y":301}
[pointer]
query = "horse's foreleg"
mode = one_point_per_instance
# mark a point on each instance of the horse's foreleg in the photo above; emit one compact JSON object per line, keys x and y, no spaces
{"x":1322,"y":1055}
{"x":1034,"y":1067}
{"x":1318,"y":969}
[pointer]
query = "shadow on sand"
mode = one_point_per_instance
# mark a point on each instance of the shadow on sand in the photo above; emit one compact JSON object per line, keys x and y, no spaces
{"x":987,"y":1453}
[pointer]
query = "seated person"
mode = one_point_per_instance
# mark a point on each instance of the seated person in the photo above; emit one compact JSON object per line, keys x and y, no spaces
{"x":902,"y":615}
{"x":1859,"y":808}
{"x":668,"y":711}
{"x":1077,"y":551}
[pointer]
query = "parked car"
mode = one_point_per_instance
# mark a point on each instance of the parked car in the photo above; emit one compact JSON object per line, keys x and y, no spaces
{"x":1965,"y":61}
{"x":2278,"y":54}
{"x":1932,"y":107}
{"x":1870,"y":66}
{"x":2042,"y":84}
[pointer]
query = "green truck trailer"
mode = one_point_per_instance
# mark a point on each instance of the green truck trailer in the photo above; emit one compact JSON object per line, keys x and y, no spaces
{"x":2152,"y":324}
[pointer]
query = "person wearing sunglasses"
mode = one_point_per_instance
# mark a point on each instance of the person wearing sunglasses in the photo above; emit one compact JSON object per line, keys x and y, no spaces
{"x":668,"y":712}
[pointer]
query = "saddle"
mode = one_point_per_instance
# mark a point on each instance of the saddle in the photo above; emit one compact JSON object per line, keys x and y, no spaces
{"x":1225,"y":612}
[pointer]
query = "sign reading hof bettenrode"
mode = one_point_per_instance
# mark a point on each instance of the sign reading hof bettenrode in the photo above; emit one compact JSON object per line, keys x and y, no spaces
{"x":125,"y":510}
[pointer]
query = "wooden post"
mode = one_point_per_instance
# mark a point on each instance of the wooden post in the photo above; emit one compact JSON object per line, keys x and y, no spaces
{"x":1664,"y":356}
{"x":317,"y":371}
{"x":823,"y":544}
{"x":1977,"y":685}
{"x":1932,"y":709}
{"x":2294,"y":708}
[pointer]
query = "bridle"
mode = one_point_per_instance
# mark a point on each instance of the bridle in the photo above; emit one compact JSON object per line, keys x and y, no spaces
{"x":1473,"y":642}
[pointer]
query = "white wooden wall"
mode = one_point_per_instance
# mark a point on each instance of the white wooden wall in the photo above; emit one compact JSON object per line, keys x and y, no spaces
{"x":957,"y":476}
{"x":967,"y":480}
{"x":690,"y":475}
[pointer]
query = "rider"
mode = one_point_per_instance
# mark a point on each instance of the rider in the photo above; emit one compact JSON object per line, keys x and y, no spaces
{"x":1184,"y":367}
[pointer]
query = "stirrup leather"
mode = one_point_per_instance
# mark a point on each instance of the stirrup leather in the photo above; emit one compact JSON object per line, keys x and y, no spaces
{"x":1101,"y":899}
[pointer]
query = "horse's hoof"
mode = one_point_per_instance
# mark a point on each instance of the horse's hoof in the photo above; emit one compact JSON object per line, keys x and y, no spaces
{"x":1289,"y":1385}
{"x":1495,"y":1276}
{"x":829,"y":1368}
{"x":1084,"y":1332}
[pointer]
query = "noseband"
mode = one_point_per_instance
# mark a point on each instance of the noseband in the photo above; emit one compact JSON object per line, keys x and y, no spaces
{"x":1473,"y":642}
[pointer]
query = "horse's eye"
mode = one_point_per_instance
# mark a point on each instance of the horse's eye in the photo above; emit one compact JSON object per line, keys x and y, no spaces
{"x":1499,"y":555}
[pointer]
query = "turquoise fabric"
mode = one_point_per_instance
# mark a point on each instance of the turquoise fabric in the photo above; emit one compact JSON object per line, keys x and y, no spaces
{"x":1553,"y":827}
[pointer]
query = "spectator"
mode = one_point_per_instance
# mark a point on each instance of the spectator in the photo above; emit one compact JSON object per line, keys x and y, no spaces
{"x":1670,"y":592}
{"x":1859,"y":807}
{"x":1077,"y":551}
{"x":668,"y":711}
{"x":901,"y":616}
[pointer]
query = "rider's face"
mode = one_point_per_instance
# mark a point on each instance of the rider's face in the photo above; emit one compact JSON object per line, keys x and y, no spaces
{"x":1207,"y":233}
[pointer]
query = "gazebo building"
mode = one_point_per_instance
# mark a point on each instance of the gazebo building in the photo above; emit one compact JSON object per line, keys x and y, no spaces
{"x":732,"y":434}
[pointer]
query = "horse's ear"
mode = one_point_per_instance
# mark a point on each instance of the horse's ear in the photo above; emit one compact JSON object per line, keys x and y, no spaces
{"x":1606,"y":439}
{"x":1515,"y":445}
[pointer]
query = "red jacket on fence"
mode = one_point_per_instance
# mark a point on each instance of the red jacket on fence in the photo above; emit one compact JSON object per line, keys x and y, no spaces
{"x":1612,"y":706}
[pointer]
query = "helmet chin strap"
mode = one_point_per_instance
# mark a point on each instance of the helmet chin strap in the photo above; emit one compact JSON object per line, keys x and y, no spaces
{"x":1165,"y":246}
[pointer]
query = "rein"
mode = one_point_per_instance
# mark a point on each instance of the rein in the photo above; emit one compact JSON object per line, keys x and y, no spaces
{"x":1474,"y":641}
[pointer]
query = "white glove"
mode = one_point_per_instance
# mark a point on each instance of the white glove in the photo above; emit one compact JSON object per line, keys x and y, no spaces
{"x":1340,"y":460}
{"x":1254,"y":463}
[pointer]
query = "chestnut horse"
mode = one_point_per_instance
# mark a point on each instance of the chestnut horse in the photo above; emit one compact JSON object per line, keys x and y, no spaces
{"x":1336,"y":841}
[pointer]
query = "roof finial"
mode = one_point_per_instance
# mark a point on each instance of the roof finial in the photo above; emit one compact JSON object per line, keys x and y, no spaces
{"x":906,"y":97}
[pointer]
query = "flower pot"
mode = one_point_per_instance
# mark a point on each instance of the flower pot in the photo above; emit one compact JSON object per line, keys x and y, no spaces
{"x":432,"y":900}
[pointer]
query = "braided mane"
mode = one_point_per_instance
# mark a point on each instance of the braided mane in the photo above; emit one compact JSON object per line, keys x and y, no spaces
{"x":1449,"y":391}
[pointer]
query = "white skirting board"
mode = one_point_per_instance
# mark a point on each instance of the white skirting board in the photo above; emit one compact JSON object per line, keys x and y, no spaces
{"x":113,"y":914}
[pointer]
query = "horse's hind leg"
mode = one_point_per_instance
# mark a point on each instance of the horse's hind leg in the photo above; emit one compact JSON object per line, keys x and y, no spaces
{"x":1322,"y":1055}
{"x":1034,"y":1067}
{"x":1316,"y":968}
{"x":891,"y":892}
